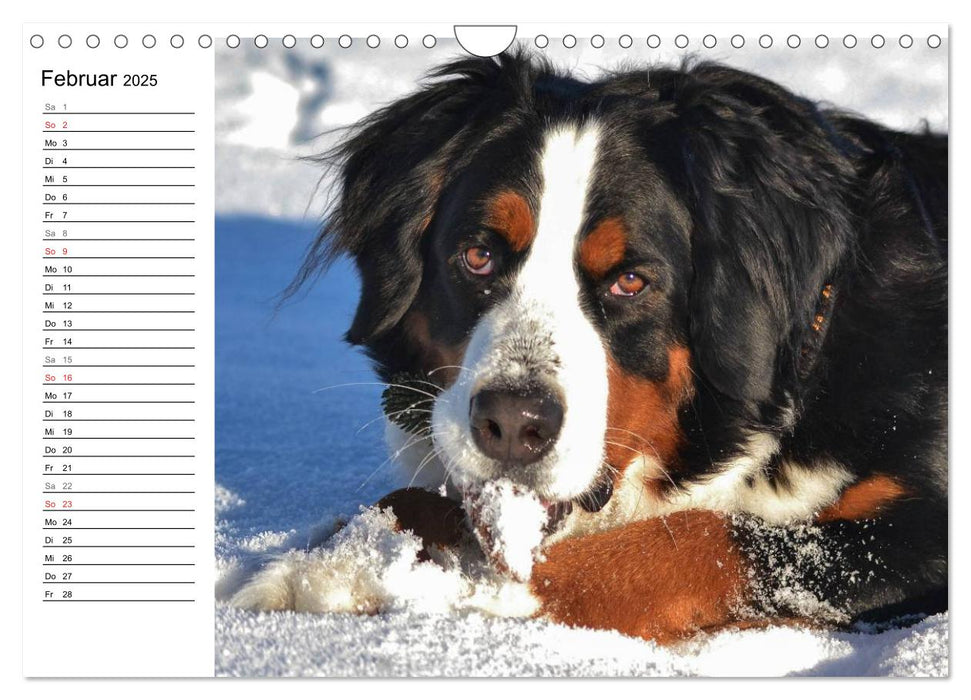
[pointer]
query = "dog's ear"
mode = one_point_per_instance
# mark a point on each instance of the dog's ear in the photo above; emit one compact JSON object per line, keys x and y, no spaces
{"x":767,"y":186}
{"x":391,"y":172}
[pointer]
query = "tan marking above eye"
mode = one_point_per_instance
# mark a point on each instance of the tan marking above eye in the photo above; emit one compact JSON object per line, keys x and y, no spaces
{"x":604,"y":248}
{"x":509,"y":215}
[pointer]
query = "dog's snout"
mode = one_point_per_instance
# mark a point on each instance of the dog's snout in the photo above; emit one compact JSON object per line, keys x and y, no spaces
{"x":516,"y":428}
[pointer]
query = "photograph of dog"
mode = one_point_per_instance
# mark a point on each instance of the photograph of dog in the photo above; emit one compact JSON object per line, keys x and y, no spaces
{"x":697,"y":323}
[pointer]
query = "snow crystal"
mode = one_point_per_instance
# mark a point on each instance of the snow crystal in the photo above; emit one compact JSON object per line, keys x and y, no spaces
{"x":226,"y":500}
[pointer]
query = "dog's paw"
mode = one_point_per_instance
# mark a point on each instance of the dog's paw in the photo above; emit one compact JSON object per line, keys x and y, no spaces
{"x":437,"y":520}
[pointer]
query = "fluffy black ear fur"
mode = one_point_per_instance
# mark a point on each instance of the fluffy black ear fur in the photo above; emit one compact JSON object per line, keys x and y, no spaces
{"x":764,"y":175}
{"x":392,"y":171}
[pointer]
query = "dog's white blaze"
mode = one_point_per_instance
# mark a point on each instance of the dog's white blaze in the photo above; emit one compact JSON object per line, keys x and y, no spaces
{"x":548,"y":287}
{"x":543,"y":316}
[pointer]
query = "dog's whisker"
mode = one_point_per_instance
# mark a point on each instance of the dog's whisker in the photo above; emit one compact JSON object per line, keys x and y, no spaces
{"x":421,"y":381}
{"x":410,"y":409}
{"x":629,"y":432}
{"x":657,"y":464}
{"x":386,"y":385}
{"x":609,"y":467}
{"x":649,"y":443}
{"x":449,"y":461}
{"x":430,"y":457}
{"x":664,"y":521}
{"x":397,"y":453}
{"x":462,"y":368}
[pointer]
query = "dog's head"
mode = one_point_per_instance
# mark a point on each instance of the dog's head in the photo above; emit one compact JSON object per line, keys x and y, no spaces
{"x":585,"y":268}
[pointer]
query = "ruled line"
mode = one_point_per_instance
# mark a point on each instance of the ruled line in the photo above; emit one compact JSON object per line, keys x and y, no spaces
{"x":119,"y":294}
{"x":126,"y":113}
{"x":118,"y":167}
{"x":115,"y":330}
{"x":117,"y":131}
{"x":72,"y":238}
{"x":71,"y":274}
{"x":112,"y":204}
{"x":121,"y":311}
{"x":73,"y":437}
{"x":118,"y":149}
{"x":118,"y":221}
{"x":74,"y":401}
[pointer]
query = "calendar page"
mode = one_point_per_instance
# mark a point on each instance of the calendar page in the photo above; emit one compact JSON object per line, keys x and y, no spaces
{"x":376,"y":350}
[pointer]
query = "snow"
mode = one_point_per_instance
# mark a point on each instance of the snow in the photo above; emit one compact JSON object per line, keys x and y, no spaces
{"x":366,"y":567}
{"x":509,"y":524}
{"x":369,"y":567}
{"x":292,"y":463}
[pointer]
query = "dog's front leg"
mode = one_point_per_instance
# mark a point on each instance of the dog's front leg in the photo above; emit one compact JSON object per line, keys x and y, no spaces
{"x":666,"y":578}
{"x":662,"y":578}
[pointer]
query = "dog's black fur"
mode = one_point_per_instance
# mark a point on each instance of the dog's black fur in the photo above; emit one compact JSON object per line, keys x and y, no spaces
{"x":752,"y":201}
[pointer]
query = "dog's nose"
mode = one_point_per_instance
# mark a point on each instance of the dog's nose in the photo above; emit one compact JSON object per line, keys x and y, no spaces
{"x":516,"y":428}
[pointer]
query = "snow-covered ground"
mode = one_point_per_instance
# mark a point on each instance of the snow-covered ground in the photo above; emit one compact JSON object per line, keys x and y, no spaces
{"x":299,"y":434}
{"x":416,"y":644}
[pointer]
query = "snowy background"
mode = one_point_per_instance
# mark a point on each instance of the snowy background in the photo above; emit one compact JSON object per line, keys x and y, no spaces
{"x":298,"y":425}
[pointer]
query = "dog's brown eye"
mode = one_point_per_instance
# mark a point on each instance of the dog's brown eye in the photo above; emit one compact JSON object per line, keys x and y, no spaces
{"x":628,"y":284}
{"x":478,"y":260}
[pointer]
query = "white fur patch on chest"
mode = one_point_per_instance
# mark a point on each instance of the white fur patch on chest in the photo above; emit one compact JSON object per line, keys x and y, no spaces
{"x":796,"y":493}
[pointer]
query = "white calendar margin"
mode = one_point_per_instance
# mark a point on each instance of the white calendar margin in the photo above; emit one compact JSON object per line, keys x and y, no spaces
{"x":120,"y":639}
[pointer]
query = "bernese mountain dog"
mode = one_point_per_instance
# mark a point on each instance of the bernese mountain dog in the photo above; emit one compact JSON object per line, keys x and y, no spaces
{"x":701,"y":317}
